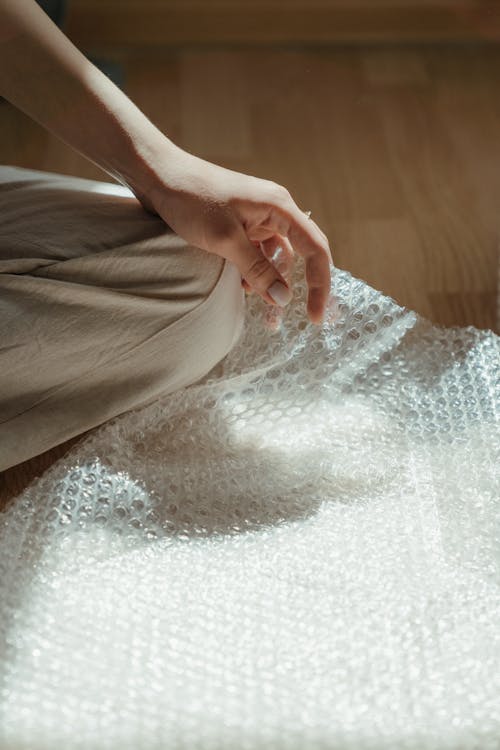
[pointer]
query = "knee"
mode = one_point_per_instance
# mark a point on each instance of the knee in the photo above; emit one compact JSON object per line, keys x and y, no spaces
{"x":219,"y":317}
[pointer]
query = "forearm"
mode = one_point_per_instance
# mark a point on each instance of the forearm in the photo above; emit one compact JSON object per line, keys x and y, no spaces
{"x":216,"y":209}
{"x":43,"y":74}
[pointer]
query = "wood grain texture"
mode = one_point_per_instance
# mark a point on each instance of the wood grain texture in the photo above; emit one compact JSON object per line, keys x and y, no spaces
{"x":160,"y":22}
{"x":395,"y":150}
{"x":217,"y":90}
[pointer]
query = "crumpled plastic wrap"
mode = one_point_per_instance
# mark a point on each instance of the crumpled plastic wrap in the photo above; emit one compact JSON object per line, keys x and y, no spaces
{"x":301,"y":552}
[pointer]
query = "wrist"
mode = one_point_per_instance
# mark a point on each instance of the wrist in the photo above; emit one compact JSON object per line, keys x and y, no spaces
{"x":151,"y":157}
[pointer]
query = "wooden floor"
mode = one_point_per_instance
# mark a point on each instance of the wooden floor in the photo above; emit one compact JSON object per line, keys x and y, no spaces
{"x":395,"y":150}
{"x":132,"y":23}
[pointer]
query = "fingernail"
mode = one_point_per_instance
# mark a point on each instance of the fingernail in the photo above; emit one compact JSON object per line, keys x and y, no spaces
{"x":279,"y":293}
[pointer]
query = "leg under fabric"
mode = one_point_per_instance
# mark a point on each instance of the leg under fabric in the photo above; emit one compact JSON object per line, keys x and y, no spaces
{"x":102,"y":308}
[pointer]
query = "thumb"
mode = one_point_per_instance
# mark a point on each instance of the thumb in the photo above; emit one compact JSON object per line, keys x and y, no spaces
{"x":260,"y":273}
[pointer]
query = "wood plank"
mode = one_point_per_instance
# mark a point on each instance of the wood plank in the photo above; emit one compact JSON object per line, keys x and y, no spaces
{"x":95,"y":24}
{"x":437,"y":193}
{"x":290,"y":130}
{"x":458,"y":309}
{"x":154,"y":86}
{"x":387,"y":253}
{"x":386,"y":67}
{"x":212,"y":82}
{"x":469,"y":113}
{"x":22,"y":141}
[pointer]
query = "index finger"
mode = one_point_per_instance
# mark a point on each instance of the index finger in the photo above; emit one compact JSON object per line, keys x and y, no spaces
{"x":309,"y":242}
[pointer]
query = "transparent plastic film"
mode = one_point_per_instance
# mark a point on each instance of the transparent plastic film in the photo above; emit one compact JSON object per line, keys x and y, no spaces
{"x":300,"y":551}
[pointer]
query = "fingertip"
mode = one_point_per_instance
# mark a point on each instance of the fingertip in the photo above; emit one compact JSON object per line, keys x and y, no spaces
{"x":316,"y":319}
{"x":280,"y":293}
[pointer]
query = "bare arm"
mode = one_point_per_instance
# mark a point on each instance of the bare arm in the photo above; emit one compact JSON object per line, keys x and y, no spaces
{"x":43,"y":73}
{"x":217,"y":209}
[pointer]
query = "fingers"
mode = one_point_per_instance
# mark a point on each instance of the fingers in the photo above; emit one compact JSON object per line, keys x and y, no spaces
{"x":277,"y":215}
{"x":279,"y":251}
{"x":258,"y":272}
{"x":323,"y":235}
{"x":318,"y":278}
{"x":309,"y":241}
{"x":280,"y":254}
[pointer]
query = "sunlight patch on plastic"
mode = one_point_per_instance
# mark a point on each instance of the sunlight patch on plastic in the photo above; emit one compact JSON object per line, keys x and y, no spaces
{"x":300,"y":551}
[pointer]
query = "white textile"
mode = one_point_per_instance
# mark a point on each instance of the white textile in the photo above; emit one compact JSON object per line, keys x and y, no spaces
{"x":301,"y":552}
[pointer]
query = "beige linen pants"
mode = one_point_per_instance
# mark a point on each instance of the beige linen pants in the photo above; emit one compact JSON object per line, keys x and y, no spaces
{"x":102,"y":309}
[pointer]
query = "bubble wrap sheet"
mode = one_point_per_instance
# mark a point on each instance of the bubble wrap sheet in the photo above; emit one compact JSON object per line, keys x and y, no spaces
{"x":300,"y":552}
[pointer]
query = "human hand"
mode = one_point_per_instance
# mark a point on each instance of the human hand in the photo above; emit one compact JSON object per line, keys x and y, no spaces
{"x":244,"y":219}
{"x":239,"y":217}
